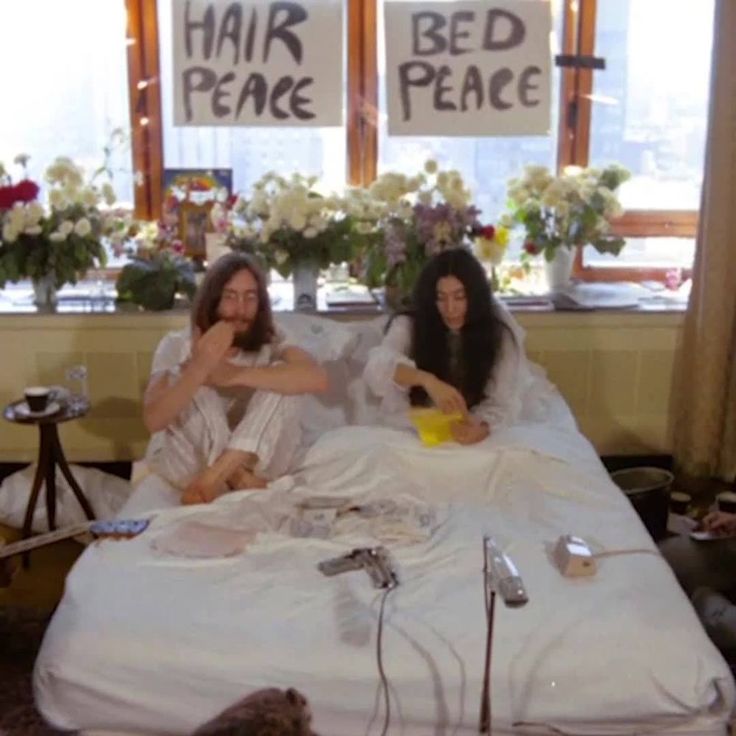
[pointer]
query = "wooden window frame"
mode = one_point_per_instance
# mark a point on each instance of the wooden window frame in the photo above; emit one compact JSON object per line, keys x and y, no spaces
{"x":579,"y":26}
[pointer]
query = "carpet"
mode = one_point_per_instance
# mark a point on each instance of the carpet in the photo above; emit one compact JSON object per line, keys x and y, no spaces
{"x":21,"y":632}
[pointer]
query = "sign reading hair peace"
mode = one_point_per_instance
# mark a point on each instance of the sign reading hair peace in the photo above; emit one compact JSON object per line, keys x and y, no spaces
{"x":468,"y":68}
{"x":256,"y":62}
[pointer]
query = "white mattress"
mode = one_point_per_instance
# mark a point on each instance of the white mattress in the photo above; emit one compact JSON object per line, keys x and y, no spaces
{"x":145,"y":643}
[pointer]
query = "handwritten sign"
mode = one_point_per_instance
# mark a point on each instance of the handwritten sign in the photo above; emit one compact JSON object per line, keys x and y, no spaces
{"x":257,"y":62}
{"x":468,"y":68}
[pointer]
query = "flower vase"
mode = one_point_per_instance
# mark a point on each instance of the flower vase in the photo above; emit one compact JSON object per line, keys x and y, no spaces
{"x":559,"y":270}
{"x":305,"y":286}
{"x":44,"y":292}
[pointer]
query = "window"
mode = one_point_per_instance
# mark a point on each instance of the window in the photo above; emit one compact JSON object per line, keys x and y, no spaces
{"x":647,"y":110}
{"x":65,"y":89}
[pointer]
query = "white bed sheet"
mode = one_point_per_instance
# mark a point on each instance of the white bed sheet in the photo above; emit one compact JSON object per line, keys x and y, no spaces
{"x":144,"y":643}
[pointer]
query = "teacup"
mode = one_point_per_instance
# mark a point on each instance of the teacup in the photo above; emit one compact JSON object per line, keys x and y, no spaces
{"x":37,"y":397}
{"x":726,"y":502}
{"x":679,"y":502}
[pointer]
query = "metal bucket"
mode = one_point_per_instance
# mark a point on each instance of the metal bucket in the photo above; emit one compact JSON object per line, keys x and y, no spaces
{"x":648,"y":490}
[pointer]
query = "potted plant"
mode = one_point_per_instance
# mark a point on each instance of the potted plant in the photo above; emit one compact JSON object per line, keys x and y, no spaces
{"x":558,"y":214}
{"x":56,"y":242}
{"x":157,"y":270}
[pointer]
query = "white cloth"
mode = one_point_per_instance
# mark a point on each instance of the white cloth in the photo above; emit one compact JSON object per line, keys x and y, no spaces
{"x":513,"y":377}
{"x":151,"y":643}
{"x":262,"y":422}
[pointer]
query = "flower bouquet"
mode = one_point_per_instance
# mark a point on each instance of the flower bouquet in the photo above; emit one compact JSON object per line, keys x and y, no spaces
{"x":570,"y":210}
{"x":56,"y":242}
{"x":418,"y":217}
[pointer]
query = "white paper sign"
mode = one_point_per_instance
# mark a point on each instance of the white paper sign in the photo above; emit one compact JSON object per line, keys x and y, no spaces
{"x":256,"y":62}
{"x":468,"y":68}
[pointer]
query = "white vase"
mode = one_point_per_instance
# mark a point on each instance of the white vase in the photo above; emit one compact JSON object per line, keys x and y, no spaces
{"x":559,"y":269}
{"x":44,"y":292}
{"x":305,"y":286}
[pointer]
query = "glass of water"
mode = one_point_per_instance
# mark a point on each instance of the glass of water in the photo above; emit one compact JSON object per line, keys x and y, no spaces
{"x":76,"y":383}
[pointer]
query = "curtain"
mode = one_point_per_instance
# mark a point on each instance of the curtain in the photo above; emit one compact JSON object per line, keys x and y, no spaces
{"x":704,"y":399}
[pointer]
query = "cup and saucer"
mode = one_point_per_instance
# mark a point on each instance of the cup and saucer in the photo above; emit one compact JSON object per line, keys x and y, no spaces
{"x":39,"y":403}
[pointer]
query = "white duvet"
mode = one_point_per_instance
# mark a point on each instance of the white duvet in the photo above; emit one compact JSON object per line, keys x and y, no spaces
{"x":156,"y":643}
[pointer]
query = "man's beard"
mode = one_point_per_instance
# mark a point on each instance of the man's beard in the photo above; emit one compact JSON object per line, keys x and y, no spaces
{"x":244,"y":340}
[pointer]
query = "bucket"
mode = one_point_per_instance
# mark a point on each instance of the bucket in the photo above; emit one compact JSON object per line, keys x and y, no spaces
{"x":648,"y":490}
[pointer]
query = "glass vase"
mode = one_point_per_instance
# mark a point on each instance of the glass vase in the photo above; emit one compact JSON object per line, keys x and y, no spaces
{"x":304,"y":279}
{"x":44,"y":292}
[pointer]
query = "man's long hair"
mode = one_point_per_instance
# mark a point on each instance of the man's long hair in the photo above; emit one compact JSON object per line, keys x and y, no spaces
{"x":207,"y":300}
{"x":481,"y":334}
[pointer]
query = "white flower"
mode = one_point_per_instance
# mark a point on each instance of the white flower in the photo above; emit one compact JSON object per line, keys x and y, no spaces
{"x":310,"y":232}
{"x":66,"y":227}
{"x":57,"y":198}
{"x":33,"y":230}
{"x":34,"y":213}
{"x":10,"y":234}
{"x":57,"y":237}
{"x":83,"y":227}
{"x":89,"y":197}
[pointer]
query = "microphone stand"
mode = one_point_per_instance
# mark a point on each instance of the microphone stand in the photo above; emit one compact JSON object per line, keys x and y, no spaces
{"x":489,"y":592}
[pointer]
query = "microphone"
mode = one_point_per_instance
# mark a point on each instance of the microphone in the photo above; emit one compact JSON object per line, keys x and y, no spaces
{"x":502,"y":576}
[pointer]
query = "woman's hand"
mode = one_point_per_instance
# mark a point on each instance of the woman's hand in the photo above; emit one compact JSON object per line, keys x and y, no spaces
{"x":720,"y":522}
{"x":469,"y":432}
{"x":445,"y":397}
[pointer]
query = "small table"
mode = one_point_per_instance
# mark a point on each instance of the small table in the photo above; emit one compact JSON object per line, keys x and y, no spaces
{"x":50,"y":454}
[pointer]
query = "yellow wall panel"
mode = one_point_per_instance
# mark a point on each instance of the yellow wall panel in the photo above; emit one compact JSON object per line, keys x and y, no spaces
{"x":614,"y":369}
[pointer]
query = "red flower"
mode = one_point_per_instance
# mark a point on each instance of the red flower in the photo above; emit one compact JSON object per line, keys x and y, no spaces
{"x":177,"y":246}
{"x":26,"y":191}
{"x":531,"y":248}
{"x":488,"y":232}
{"x":23,"y":191}
{"x":231,"y":200}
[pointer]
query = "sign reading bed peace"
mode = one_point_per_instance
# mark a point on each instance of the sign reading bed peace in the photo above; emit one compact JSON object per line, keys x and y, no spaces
{"x":468,"y":68}
{"x":258,"y":62}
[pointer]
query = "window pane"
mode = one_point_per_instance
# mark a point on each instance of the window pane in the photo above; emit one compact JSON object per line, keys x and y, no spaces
{"x":65,"y":84}
{"x":646,"y":253}
{"x":650,"y":105}
{"x":249,"y":151}
{"x":485,"y":163}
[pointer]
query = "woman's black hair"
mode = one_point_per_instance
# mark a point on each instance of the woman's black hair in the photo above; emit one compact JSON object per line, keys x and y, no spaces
{"x":481,"y":334}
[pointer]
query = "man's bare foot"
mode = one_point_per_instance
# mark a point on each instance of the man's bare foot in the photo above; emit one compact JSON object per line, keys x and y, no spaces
{"x":201,"y":490}
{"x":244,"y":478}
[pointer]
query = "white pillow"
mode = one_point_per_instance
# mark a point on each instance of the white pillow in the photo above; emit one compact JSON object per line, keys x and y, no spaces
{"x":325,"y":339}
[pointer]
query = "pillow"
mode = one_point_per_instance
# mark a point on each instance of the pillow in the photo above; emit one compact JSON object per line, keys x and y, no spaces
{"x":325,"y":339}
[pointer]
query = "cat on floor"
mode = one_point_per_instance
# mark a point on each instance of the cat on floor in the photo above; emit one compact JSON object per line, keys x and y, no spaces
{"x":267,"y":712}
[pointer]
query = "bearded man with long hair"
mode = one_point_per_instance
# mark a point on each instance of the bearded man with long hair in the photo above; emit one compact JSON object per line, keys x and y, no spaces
{"x":222,"y":400}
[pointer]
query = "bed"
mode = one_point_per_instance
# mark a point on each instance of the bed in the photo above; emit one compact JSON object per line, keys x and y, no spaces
{"x":149,"y":642}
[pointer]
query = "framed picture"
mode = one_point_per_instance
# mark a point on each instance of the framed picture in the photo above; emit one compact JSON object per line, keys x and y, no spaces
{"x":188,"y":198}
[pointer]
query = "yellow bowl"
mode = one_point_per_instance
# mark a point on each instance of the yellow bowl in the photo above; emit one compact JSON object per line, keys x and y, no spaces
{"x":433,"y":426}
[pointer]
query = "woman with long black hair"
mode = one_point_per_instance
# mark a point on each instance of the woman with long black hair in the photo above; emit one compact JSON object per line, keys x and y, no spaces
{"x":456,"y":349}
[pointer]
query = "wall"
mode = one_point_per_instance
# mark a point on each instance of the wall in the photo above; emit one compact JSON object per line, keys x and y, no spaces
{"x":614,"y":368}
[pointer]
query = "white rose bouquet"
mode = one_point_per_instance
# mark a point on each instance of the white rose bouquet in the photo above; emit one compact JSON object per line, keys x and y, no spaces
{"x":570,"y":210}
{"x":285,"y":222}
{"x":62,"y":238}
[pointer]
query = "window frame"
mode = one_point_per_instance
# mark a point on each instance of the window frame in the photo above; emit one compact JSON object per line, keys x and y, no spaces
{"x":576,"y":86}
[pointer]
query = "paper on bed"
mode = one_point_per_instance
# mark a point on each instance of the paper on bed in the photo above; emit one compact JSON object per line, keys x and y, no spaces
{"x":156,"y":645}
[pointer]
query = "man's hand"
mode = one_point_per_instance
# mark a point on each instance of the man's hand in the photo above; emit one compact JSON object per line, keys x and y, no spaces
{"x":445,"y":397}
{"x":469,"y":432}
{"x":224,"y":375}
{"x":210,"y":348}
{"x":720,"y":522}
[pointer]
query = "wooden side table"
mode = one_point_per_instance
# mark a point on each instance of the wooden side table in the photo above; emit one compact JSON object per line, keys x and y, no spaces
{"x":50,"y":454}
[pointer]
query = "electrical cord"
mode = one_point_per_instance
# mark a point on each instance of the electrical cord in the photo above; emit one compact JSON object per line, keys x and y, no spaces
{"x":379,"y":658}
